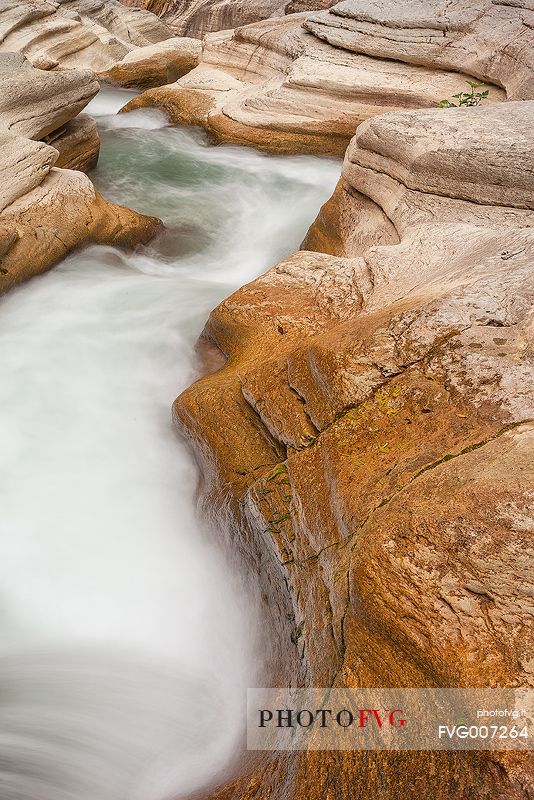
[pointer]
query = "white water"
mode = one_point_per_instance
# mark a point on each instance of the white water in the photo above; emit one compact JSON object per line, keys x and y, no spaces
{"x":126,"y":638}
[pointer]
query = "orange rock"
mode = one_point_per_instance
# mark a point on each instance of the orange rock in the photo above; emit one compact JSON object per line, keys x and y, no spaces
{"x":63,"y":213}
{"x":371,"y":433}
{"x":155,"y":65}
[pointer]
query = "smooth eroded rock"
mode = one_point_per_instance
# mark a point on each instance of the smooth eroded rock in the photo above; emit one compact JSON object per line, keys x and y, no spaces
{"x":155,"y":65}
{"x":372,"y":433}
{"x":490,"y":39}
{"x":274,"y":86}
{"x":78,"y":144}
{"x":34,"y":103}
{"x":198,"y":17}
{"x":131,"y":47}
{"x":62,"y":213}
{"x":45,"y":211}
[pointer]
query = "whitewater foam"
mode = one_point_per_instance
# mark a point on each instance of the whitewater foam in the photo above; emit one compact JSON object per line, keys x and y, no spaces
{"x":126,"y":635}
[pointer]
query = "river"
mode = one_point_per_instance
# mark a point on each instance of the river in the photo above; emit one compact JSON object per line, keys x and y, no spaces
{"x":127,"y":637}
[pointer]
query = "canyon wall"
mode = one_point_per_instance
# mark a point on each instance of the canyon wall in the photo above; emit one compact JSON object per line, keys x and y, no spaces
{"x":198,"y":17}
{"x":305,"y":82}
{"x":367,"y":418}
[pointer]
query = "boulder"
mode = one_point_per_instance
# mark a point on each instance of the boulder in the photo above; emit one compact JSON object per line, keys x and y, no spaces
{"x":61,"y":214}
{"x":78,"y":144}
{"x":371,"y":433}
{"x":34,"y":103}
{"x":155,"y":65}
{"x":23,"y":166}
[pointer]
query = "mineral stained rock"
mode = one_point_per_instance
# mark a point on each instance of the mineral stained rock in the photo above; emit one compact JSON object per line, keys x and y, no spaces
{"x":304,"y":83}
{"x":129,"y":47}
{"x":45,"y":211}
{"x":372,"y":430}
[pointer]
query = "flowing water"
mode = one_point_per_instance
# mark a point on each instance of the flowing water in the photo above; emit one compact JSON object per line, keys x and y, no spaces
{"x":126,"y":637}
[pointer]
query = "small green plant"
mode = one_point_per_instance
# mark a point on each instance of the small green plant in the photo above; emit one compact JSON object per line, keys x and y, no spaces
{"x":472,"y":98}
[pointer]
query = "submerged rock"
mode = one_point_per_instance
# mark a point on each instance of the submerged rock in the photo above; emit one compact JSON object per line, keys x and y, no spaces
{"x":372,"y":433}
{"x":46,"y":211}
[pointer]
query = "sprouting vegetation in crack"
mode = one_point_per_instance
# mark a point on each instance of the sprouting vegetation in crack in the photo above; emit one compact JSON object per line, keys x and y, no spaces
{"x":472,"y":98}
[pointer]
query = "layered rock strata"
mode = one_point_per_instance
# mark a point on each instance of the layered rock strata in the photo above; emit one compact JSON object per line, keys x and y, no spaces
{"x":198,"y":17}
{"x":372,"y":434}
{"x":126,"y":46}
{"x":490,"y":39}
{"x":46,"y":211}
{"x":305,"y":82}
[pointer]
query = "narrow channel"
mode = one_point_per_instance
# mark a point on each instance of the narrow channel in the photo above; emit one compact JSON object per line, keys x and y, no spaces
{"x":126,"y":636}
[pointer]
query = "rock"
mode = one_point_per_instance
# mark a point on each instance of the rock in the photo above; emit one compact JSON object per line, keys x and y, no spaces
{"x":199,"y":17}
{"x":78,"y":144}
{"x":300,"y":6}
{"x":371,"y":435}
{"x":45,"y":211}
{"x":62,"y":213}
{"x":274,"y":86}
{"x":25,"y":88}
{"x":490,"y":39}
{"x":156,"y":64}
{"x":23,"y":166}
{"x":453,"y":167}
{"x":97,"y":34}
{"x":8,"y":237}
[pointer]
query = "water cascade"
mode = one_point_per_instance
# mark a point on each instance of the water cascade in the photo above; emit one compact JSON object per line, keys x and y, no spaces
{"x":126,"y":636}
